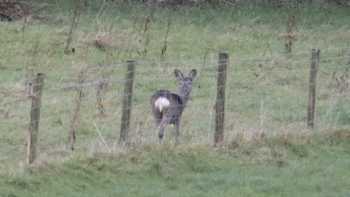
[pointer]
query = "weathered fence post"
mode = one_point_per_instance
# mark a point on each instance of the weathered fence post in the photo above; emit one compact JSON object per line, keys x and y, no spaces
{"x":36,"y":92}
{"x":76,"y":113}
{"x":290,"y":35}
{"x":127,"y":99}
{"x":220,"y":98}
{"x":99,"y":100}
{"x":74,"y":24}
{"x":315,"y":60}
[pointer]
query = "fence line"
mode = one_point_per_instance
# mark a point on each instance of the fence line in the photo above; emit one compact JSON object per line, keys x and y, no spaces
{"x":93,"y":83}
{"x":81,"y":86}
{"x":70,"y":85}
{"x":234,"y":59}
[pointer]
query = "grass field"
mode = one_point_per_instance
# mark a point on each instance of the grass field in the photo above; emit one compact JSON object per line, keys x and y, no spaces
{"x":267,"y":93}
{"x":319,"y":168}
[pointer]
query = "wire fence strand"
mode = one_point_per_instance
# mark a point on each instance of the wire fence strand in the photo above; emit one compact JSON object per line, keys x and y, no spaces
{"x":263,"y":94}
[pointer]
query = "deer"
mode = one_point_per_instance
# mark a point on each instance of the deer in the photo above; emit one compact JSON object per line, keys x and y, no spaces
{"x":167,"y":107}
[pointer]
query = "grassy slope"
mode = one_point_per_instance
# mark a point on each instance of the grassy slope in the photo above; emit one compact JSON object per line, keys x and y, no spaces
{"x":316,"y":169}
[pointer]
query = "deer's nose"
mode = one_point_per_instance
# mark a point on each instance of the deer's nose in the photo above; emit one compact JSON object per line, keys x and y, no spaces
{"x":160,"y":135}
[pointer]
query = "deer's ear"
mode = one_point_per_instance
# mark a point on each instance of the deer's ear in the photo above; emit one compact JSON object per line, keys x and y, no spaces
{"x":178,"y":74}
{"x":193,"y":73}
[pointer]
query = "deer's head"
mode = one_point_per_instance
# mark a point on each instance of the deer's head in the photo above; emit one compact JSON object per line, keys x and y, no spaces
{"x":185,"y":83}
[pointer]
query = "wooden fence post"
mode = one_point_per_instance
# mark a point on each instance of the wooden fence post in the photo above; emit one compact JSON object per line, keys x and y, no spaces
{"x":76,"y":113}
{"x":315,"y":60}
{"x":127,"y":99}
{"x":290,"y":35}
{"x":101,"y":86}
{"x":32,"y":139}
{"x":73,"y":26}
{"x":220,"y":98}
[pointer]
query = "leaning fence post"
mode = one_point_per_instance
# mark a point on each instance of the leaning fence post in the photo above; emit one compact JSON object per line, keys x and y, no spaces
{"x":220,"y":98}
{"x":101,"y":85}
{"x":36,"y":92}
{"x":76,"y":113}
{"x":315,"y":60}
{"x":127,"y":99}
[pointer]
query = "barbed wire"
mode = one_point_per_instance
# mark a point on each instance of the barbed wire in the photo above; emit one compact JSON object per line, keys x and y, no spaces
{"x":200,"y":60}
{"x":75,"y":87}
{"x":210,"y":64}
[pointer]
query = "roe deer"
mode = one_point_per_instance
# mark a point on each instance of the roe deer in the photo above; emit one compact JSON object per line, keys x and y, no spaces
{"x":167,"y":107}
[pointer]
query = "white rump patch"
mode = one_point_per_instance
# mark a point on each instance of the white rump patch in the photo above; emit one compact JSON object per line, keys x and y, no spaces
{"x":161,"y":103}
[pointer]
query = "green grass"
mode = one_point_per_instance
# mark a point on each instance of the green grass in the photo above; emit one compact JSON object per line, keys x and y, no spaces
{"x":319,"y":168}
{"x":266,"y":92}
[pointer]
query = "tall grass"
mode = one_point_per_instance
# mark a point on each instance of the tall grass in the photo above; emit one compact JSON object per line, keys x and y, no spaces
{"x":318,"y":168}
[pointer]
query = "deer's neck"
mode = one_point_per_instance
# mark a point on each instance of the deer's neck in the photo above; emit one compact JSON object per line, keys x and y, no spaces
{"x":184,"y":97}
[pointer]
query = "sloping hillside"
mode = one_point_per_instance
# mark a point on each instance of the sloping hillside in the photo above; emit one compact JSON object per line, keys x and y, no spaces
{"x":271,"y":169}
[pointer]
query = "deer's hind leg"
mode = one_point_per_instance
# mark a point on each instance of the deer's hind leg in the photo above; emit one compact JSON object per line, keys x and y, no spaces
{"x":177,"y":132}
{"x":165,"y":121}
{"x":157,"y":116}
